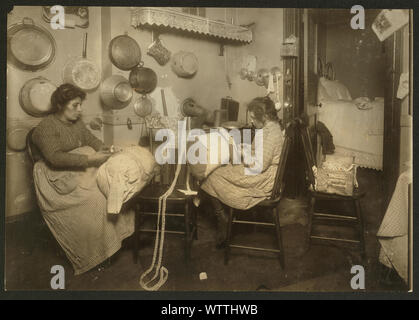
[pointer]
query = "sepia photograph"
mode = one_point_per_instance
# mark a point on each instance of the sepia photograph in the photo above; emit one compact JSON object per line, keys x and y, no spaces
{"x":208,"y":149}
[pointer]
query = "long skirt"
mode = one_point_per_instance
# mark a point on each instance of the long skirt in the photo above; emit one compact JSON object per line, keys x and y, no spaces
{"x":75,"y":211}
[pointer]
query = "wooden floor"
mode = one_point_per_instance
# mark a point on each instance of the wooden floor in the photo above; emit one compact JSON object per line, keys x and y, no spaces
{"x":30,"y":255}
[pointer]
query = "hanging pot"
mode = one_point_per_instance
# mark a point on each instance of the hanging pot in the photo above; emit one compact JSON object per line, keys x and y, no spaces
{"x":143,"y":80}
{"x":143,"y":106}
{"x":35,"y":96}
{"x":82,"y":72}
{"x":124,"y":52}
{"x":29,"y":47}
{"x":16,"y":137}
{"x":184,"y":64}
{"x":189,"y":108}
{"x":116,"y":92}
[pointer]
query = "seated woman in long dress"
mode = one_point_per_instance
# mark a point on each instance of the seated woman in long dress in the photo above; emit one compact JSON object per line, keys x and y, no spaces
{"x":231,"y":186}
{"x":65,"y":182}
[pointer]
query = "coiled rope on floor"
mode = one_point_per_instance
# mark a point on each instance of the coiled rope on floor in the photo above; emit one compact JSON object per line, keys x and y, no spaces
{"x":161,"y":271}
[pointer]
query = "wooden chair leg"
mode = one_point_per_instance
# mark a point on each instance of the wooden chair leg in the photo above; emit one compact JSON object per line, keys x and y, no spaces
{"x":358,"y":211}
{"x":188,"y":237}
{"x":275,"y":213}
{"x":310,"y":220}
{"x":136,"y":235}
{"x":195,"y":222}
{"x":228,"y":239}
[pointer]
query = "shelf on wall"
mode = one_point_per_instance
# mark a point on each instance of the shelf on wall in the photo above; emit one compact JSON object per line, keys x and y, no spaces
{"x":172,"y":19}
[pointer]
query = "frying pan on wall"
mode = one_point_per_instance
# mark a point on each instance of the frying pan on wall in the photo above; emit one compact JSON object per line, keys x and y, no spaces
{"x":29,"y":47}
{"x":35,"y":96}
{"x":82,"y":72}
{"x":124,"y":52}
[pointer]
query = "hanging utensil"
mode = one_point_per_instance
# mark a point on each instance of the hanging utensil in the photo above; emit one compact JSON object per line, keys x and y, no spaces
{"x":143,"y":80}
{"x":82,"y":72}
{"x":30,"y":47}
{"x":243,"y":73}
{"x":163,"y":100}
{"x":35,"y":96}
{"x":124,"y":52}
{"x":116,"y":92}
{"x":160,"y":53}
{"x":143,"y":106}
{"x":184,"y":64}
{"x":262,"y":77}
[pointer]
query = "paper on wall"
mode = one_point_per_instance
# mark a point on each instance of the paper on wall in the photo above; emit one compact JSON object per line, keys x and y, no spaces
{"x":389,"y":21}
{"x":249,"y":63}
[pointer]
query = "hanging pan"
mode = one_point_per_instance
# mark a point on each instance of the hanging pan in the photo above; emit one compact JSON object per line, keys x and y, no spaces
{"x":82,"y":72}
{"x":29,"y":47}
{"x":143,"y":80}
{"x":116,"y":92}
{"x":143,"y":106}
{"x":184,"y":64}
{"x":124,"y":52}
{"x":35,"y":96}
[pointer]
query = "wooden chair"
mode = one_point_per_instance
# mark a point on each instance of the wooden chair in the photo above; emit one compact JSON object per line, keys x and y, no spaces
{"x":318,"y":216}
{"x":269,"y":204}
{"x":147,"y":202}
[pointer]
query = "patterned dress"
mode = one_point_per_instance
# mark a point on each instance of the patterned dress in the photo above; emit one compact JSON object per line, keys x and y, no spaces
{"x":234,"y":188}
{"x":68,"y":195}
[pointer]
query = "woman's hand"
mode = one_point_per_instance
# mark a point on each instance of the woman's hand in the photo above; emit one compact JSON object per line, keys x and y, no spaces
{"x":96,"y":159}
{"x":111,"y":149}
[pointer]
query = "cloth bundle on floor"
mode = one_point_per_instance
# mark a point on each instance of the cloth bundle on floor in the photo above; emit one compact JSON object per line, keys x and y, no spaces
{"x":125,"y":174}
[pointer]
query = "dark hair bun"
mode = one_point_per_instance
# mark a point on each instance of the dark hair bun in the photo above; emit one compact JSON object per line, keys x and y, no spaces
{"x":63,"y":94}
{"x":261,"y":106}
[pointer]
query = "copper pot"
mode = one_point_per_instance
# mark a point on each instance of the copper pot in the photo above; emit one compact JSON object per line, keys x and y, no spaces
{"x":143,"y":80}
{"x":124,"y":52}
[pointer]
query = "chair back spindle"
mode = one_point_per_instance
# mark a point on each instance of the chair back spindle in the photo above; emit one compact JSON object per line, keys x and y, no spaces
{"x":280,"y":172}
